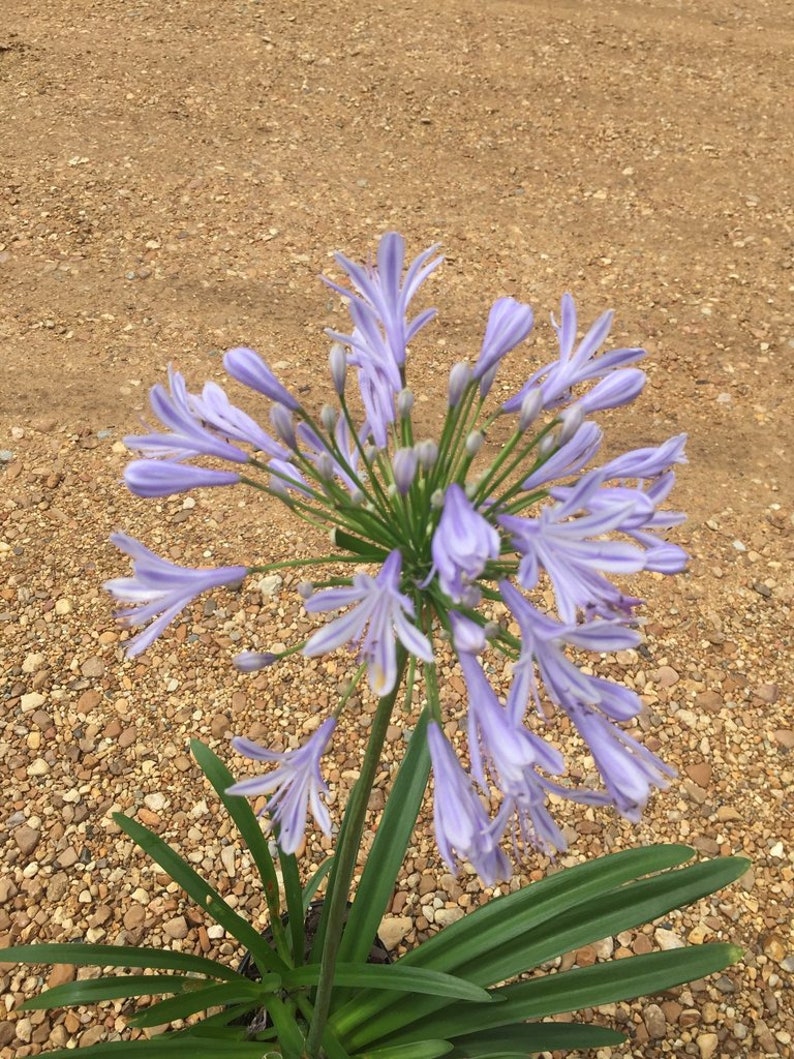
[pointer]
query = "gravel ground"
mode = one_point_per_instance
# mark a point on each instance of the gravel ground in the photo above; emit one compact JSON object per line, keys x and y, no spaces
{"x":171,"y":184}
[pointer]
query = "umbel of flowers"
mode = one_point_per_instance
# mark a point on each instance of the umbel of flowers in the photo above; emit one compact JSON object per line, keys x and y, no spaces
{"x":435,"y":534}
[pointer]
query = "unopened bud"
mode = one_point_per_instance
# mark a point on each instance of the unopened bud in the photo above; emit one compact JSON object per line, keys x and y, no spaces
{"x":437,"y":499}
{"x":427,"y":453}
{"x":459,"y":379}
{"x":405,"y":403}
{"x":337,"y":361}
{"x":282,"y":424}
{"x":570,"y":421}
{"x":474,"y":442}
{"x":403,"y":465}
{"x":328,"y":417}
{"x":325,"y":466}
{"x":530,"y":407}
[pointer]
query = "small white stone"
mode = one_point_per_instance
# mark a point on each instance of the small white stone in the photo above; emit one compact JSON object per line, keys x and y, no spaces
{"x":31,"y":701}
{"x":777,"y":850}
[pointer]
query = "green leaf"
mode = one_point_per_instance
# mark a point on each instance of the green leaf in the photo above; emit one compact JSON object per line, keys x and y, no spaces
{"x":82,"y":955}
{"x":491,"y":927}
{"x":573,"y":990}
{"x":310,"y":889}
{"x":239,"y":809}
{"x":528,"y":1038}
{"x":564,"y":924}
{"x":95,"y":990}
{"x":368,"y":551}
{"x":410,"y":980}
{"x":417,"y":1050}
{"x":217,"y":995}
{"x":387,"y":854}
{"x":165,"y":1045}
{"x":202,"y":893}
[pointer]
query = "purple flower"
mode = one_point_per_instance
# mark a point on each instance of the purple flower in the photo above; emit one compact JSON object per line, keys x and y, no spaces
{"x":461,"y":823}
{"x":619,"y":388}
{"x":188,"y":436}
{"x":509,"y":323}
{"x":381,"y":328}
{"x":565,"y":548}
{"x":150,"y":478}
{"x":215,"y":408}
{"x":292,"y":788}
{"x":568,"y":459}
{"x":628,"y":769}
{"x":574,"y":366}
{"x":647,"y":462}
{"x":467,"y":635}
{"x":462,"y":544}
{"x":383,"y":613}
{"x":459,"y":378}
{"x":250,"y":369}
{"x":159,"y":589}
{"x":544,"y":642}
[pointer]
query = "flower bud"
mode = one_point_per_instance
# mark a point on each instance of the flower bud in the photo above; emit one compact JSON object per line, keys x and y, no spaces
{"x":437,"y":499}
{"x":328,"y":417}
{"x":570,"y":421}
{"x":459,"y":378}
{"x":404,"y":464}
{"x":426,"y":453}
{"x":405,"y":403}
{"x":282,"y":424}
{"x":325,"y":466}
{"x":337,"y":361}
{"x":474,"y":442}
{"x":530,"y":407}
{"x":252,"y":661}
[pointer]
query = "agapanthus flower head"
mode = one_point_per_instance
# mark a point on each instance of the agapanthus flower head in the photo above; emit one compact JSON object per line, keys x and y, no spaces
{"x":432,"y":540}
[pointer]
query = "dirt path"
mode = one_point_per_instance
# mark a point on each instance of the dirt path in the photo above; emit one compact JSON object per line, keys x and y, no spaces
{"x":173,"y":178}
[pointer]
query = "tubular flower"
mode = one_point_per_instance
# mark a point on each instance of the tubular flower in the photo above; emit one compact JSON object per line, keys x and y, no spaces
{"x":159,"y":589}
{"x":463,"y":543}
{"x":383,"y":613}
{"x":293,"y":788}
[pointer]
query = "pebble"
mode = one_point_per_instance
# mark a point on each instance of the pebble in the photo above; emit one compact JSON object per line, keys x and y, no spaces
{"x":655,"y":1021}
{"x":26,"y":838}
{"x":176,"y":928}
{"x":393,"y":929}
{"x":707,"y":1045}
{"x":31,"y":701}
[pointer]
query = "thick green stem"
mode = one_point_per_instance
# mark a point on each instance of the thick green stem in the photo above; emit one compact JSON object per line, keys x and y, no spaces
{"x":346,"y":858}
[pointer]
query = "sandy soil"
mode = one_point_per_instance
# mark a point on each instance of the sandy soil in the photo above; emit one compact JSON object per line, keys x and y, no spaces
{"x":173,"y":179}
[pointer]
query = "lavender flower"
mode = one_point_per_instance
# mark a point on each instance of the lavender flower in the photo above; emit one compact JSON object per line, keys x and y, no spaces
{"x":215,"y":409}
{"x":188,"y":436}
{"x":159,"y":589}
{"x":463,"y":543}
{"x":509,"y":323}
{"x":461,"y":823}
{"x":557,"y":380}
{"x":250,"y":369}
{"x":150,"y":478}
{"x":294,"y":787}
{"x":382,"y":613}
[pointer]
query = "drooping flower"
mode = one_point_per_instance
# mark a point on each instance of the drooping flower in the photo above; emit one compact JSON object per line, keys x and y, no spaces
{"x":567,"y":459}
{"x":160,"y":589}
{"x":381,"y":617}
{"x":293,"y":788}
{"x":629,"y":770}
{"x":571,"y":552}
{"x":462,"y":544}
{"x":462,"y":824}
{"x":215,"y":408}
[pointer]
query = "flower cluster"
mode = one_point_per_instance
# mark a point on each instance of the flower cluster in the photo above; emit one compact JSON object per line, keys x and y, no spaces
{"x":447,"y":534}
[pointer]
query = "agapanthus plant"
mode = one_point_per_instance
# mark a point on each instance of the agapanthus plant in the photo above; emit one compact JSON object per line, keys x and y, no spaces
{"x":451,"y":541}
